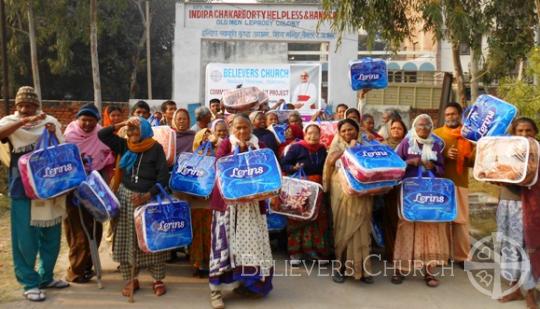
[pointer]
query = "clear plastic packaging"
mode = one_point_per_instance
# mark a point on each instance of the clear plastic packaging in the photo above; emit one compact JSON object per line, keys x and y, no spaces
{"x":508,"y":159}
{"x":166,"y":137}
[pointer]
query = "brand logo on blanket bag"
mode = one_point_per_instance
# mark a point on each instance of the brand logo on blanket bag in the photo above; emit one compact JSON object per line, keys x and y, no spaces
{"x":368,"y":77}
{"x":57,"y":171}
{"x":428,"y":198}
{"x":190,"y":171}
{"x":486,"y":123}
{"x":253,"y":170}
{"x":164,"y":226}
{"x":494,"y":259}
{"x":374,"y":154}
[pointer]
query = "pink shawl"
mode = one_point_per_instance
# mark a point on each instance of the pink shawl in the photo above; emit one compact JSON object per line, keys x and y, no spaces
{"x":89,"y":145}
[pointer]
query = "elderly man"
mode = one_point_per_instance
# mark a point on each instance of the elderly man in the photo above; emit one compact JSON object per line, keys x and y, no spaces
{"x":458,"y":157}
{"x":36,"y":225}
{"x":203,"y":116}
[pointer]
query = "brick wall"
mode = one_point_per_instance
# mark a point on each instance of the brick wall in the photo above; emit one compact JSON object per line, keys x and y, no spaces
{"x":65,"y":111}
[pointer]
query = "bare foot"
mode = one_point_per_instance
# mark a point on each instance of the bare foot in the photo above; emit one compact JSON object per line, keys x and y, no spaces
{"x":516,"y":295}
{"x":531,"y":299}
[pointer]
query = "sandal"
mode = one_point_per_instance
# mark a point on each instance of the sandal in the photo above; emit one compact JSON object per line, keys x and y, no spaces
{"x":338,"y":277}
{"x":431,"y":281}
{"x":56,"y":284}
{"x":35,"y":294}
{"x":367,"y":279}
{"x":397,"y":279}
{"x":127,"y":290}
{"x":159,"y":288}
{"x":216,"y":300}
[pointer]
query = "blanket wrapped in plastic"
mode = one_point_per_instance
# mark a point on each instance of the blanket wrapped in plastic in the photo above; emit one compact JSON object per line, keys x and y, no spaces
{"x":428,"y":199}
{"x":300,"y":199}
{"x":163,"y":225}
{"x":243,"y":99}
{"x":368,"y":73}
{"x":166,"y":137}
{"x":194,"y":173}
{"x":279,"y":131}
{"x":509,"y":159}
{"x":96,"y":196}
{"x":351,"y":185}
{"x":249,"y":176}
{"x":373,"y":162}
{"x":488,"y":116}
{"x":52,"y":169}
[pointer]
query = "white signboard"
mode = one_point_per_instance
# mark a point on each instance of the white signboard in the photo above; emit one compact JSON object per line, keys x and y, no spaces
{"x":257,"y":22}
{"x":294,"y":83}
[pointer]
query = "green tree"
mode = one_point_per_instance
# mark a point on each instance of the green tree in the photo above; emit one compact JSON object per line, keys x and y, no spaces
{"x":392,"y":20}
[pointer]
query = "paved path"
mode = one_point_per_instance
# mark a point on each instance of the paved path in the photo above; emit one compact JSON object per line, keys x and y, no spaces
{"x":301,"y":291}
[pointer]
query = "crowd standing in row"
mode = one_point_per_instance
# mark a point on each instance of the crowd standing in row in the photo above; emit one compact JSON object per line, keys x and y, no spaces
{"x":231,"y":242}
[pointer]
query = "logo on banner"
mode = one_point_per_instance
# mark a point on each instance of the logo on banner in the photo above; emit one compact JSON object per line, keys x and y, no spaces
{"x":216,"y":75}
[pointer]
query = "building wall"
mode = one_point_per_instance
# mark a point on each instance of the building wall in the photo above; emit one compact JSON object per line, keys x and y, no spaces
{"x":65,"y":111}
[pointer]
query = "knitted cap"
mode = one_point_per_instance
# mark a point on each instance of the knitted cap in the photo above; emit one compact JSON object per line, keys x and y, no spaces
{"x":27,"y":94}
{"x":89,"y":109}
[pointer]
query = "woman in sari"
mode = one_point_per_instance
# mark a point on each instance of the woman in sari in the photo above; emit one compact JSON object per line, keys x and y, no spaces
{"x":421,"y":244}
{"x":143,"y":166}
{"x":390,"y":219}
{"x":351,"y":214}
{"x":240,"y":250}
{"x":307,"y":237}
{"x":184,"y":135}
{"x":518,"y":219}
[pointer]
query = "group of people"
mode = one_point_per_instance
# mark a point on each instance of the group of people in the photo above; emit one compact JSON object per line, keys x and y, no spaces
{"x":231,"y":242}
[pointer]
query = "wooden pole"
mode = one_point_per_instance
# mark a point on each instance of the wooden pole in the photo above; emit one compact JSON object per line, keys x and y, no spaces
{"x":33,"y":50}
{"x":148,"y":55}
{"x":94,"y":54}
{"x":5,"y":79}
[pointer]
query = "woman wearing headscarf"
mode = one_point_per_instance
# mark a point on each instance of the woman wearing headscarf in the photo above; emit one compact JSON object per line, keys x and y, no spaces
{"x":292,"y":134}
{"x":271,"y":118}
{"x":184,"y":135}
{"x":259,"y":129}
{"x":143,"y":166}
{"x":308,"y":237}
{"x":421,"y":244}
{"x":351,"y":214}
{"x":389,"y":213}
{"x":96,"y":156}
{"x":35,"y":224}
{"x":240,"y":250}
